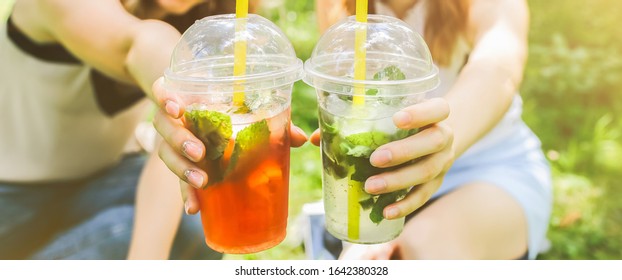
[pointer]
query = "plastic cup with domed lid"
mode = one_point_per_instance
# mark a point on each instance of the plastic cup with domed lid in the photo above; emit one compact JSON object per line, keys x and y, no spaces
{"x":240,"y":110}
{"x":355,"y":115}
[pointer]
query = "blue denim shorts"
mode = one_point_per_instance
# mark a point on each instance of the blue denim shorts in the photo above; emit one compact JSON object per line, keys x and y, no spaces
{"x":87,"y":219}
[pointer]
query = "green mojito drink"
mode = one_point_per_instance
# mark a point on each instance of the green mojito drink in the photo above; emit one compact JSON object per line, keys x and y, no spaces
{"x":355,"y":118}
{"x":350,"y":134}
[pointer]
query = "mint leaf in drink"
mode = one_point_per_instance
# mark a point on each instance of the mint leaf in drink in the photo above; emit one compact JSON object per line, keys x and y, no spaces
{"x":367,"y":203}
{"x":363,"y":168}
{"x":248,"y":139}
{"x":390,"y":73}
{"x":356,"y":151}
{"x":383,"y":201}
{"x":363,"y":144}
{"x":212,"y":128}
{"x":327,"y":126}
{"x":334,"y":162}
{"x":372,"y":139}
{"x":253,"y":136}
{"x":371,"y":91}
{"x":333,"y":168}
{"x":357,"y":148}
{"x":332,"y":158}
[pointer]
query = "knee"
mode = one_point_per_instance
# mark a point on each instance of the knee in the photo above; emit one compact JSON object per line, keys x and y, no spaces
{"x":414,"y":241}
{"x":423,"y":238}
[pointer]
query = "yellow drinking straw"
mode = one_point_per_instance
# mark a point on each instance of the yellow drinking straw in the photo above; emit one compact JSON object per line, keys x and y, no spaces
{"x":355,"y":191}
{"x":359,"y":52}
{"x":239,"y":50}
{"x":355,"y":188}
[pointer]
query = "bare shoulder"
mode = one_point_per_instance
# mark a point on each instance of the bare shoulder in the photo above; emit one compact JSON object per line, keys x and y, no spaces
{"x":35,"y":17}
{"x":28,"y":16}
{"x":100,"y":33}
{"x":487,"y":14}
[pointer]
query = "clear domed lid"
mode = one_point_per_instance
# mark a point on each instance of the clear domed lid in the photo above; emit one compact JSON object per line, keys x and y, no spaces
{"x":390,"y":44}
{"x":204,"y":56}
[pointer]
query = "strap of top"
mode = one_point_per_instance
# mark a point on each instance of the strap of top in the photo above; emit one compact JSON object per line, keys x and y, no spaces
{"x":112,"y":96}
{"x":47,"y":52}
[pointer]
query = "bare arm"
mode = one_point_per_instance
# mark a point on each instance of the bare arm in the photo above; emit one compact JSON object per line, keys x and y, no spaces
{"x":486,"y":85}
{"x":104,"y":35}
{"x":158,"y":212}
{"x":477,"y":101}
{"x":498,"y":31}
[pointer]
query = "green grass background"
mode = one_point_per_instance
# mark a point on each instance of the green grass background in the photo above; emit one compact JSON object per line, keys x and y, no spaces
{"x":573,"y":101}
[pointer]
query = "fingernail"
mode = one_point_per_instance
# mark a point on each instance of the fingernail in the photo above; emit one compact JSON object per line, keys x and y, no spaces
{"x":172,"y":108}
{"x":391,"y":212}
{"x":194,"y":178}
{"x":375,"y":185}
{"x":186,"y":207}
{"x":402,"y":119}
{"x":381,"y":157}
{"x":191,"y":150}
